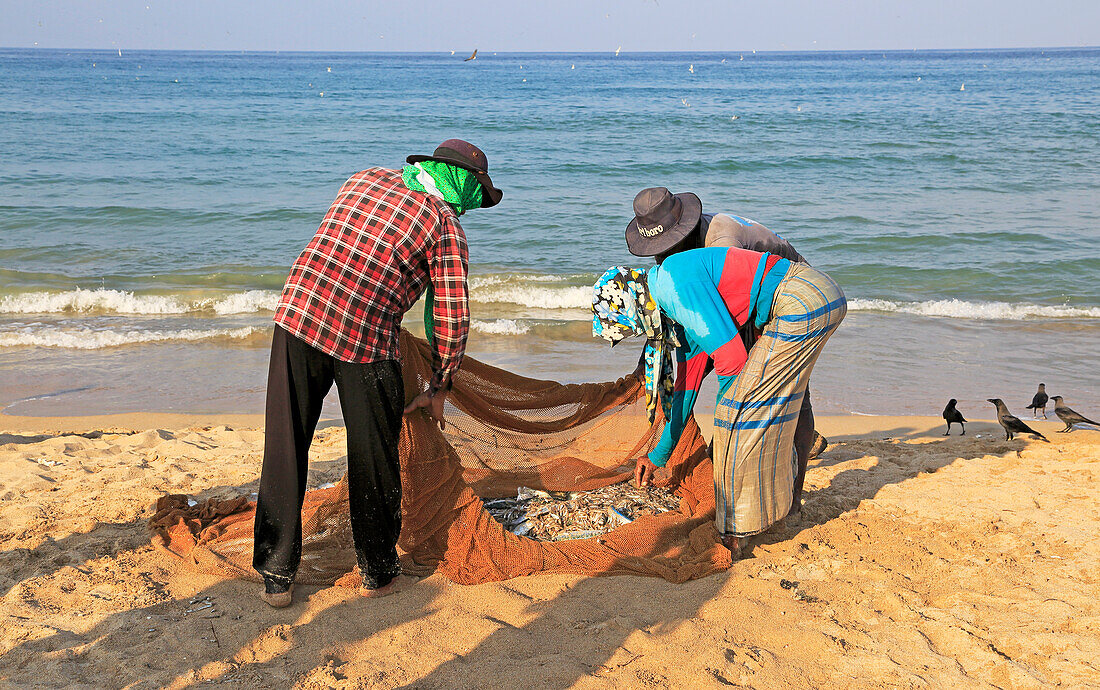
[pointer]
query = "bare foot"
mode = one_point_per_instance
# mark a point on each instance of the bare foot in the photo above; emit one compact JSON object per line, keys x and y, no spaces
{"x":734,"y":545}
{"x":395,"y":585}
{"x":279,"y":600}
{"x":820,"y":445}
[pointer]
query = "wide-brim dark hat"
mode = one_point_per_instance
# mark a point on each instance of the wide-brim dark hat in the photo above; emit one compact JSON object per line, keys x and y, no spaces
{"x":466,"y":155}
{"x":661,"y":220}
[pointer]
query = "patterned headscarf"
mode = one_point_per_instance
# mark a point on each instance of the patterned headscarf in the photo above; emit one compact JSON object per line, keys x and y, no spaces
{"x":622,"y":307}
{"x":457,"y":186}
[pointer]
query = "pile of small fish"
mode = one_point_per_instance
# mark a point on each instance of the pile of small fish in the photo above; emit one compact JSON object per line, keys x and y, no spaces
{"x":561,"y":515}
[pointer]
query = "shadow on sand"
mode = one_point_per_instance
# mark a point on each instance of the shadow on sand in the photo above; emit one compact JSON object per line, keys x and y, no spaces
{"x":180,"y":641}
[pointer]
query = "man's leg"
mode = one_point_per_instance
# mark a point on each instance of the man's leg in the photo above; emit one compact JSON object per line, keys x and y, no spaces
{"x":803,"y":444}
{"x":372,"y":398}
{"x":298,"y":379}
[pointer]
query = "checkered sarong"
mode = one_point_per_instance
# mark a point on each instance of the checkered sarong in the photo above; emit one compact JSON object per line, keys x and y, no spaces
{"x":754,"y":459}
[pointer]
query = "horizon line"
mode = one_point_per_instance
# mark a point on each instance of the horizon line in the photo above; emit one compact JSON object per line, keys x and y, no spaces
{"x":488,"y":52}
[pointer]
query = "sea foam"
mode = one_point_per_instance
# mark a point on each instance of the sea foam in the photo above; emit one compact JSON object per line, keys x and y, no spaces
{"x":500,"y":327}
{"x":525,"y":291}
{"x":83,"y":301}
{"x":91,"y":339}
{"x":978,"y":311}
{"x":529,"y":292}
{"x":107,"y":301}
{"x":246,"y":302}
{"x":536,"y":297}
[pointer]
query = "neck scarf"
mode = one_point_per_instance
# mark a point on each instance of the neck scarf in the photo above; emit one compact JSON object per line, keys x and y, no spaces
{"x":457,"y":186}
{"x":622,"y":307}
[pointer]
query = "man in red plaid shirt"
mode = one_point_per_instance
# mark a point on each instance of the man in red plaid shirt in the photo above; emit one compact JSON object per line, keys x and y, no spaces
{"x":389,"y":235}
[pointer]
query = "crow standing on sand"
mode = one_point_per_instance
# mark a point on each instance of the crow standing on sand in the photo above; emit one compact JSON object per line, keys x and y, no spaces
{"x":953,"y":416}
{"x":1012,"y":425}
{"x":1069,"y":416}
{"x":1039,"y":402}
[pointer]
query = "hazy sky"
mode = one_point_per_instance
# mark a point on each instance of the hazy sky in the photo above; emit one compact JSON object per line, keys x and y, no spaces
{"x":549,"y":25}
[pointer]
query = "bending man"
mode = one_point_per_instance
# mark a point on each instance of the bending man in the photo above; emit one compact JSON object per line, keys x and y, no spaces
{"x":695,"y":303}
{"x":388,"y":235}
{"x":665,"y":224}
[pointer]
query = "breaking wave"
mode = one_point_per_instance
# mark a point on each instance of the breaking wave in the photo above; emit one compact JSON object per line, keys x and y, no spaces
{"x":500,"y":327}
{"x":980,"y":311}
{"x":107,"y":301}
{"x":530,"y":291}
{"x":490,"y":279}
{"x":248,"y":302}
{"x":538,"y":297}
{"x":92,"y":339}
{"x":512,"y":297}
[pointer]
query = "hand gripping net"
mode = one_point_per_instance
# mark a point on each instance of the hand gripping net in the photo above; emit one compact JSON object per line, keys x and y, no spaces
{"x":503,"y":431}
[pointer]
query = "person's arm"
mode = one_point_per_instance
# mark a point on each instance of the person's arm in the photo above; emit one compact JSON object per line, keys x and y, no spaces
{"x":692,"y":366}
{"x":448,"y":262}
{"x":687,"y":290}
{"x":447,"y":266}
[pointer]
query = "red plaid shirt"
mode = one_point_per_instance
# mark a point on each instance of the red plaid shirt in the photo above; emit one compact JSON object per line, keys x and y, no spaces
{"x":371,"y":259}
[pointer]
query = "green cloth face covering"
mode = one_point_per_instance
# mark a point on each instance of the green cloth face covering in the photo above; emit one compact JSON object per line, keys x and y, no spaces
{"x":459,"y":188}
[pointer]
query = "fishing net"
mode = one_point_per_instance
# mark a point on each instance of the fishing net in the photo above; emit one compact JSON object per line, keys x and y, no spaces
{"x":504,"y":432}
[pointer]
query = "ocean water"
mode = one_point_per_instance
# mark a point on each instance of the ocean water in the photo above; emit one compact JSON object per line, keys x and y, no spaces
{"x":152,"y":202}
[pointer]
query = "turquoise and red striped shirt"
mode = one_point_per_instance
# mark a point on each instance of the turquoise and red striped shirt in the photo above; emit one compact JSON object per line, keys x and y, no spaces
{"x":710,"y":294}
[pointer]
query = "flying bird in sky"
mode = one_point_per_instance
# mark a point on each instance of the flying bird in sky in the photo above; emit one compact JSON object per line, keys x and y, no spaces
{"x":473,"y":56}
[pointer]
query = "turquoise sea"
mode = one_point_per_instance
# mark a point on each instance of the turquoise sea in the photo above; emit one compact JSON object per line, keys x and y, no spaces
{"x":152,"y":202}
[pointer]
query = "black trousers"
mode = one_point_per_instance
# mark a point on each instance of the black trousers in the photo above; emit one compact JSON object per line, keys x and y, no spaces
{"x":372,"y":399}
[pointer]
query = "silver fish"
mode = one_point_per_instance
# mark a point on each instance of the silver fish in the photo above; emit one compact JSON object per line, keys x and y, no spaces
{"x":545,"y":516}
{"x":578,"y":534}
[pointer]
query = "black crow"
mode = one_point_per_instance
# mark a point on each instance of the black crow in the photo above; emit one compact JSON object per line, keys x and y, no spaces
{"x":1069,"y":416}
{"x":953,"y":416}
{"x":1012,"y":425}
{"x":1039,"y":402}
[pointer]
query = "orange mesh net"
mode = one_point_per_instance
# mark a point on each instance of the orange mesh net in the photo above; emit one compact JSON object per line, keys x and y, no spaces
{"x":503,"y":431}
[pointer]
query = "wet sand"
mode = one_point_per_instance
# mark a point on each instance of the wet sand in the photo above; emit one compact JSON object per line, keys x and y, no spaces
{"x":918,"y":560}
{"x":904,"y":365}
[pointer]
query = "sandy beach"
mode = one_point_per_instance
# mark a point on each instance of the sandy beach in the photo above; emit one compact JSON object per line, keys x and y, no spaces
{"x":918,"y":561}
{"x":216,"y":220}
